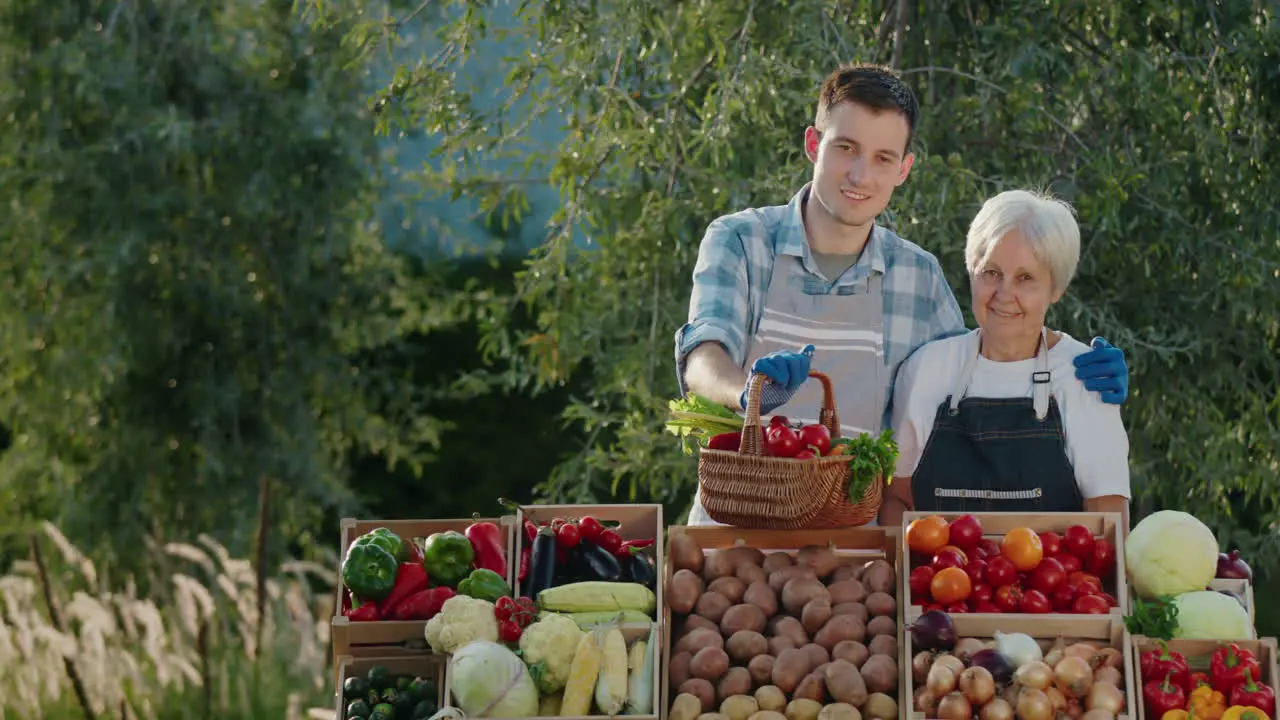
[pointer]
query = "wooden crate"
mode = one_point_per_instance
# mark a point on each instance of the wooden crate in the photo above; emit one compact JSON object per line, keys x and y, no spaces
{"x":1242,"y":589}
{"x":1109,"y":629}
{"x":630,"y":632}
{"x":637,"y":522}
{"x":851,"y":544}
{"x":994,"y":525}
{"x":427,"y":666}
{"x":1199,"y":652}
{"x":391,"y":637}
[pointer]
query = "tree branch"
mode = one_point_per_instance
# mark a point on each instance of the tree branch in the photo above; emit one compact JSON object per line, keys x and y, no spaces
{"x":900,"y":33}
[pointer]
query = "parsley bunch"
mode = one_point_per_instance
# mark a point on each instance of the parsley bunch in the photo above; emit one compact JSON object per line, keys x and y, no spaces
{"x":869,"y":458}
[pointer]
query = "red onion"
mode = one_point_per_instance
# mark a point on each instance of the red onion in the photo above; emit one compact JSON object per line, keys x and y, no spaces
{"x":934,"y":631}
{"x":994,"y":663}
{"x":1231,"y":566}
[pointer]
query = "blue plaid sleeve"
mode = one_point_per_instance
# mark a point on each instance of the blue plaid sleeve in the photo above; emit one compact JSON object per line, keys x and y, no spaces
{"x":718,"y":306}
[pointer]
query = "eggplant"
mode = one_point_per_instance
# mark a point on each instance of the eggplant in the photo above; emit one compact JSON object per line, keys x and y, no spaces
{"x":598,"y":564}
{"x":638,"y":567}
{"x":542,"y":564}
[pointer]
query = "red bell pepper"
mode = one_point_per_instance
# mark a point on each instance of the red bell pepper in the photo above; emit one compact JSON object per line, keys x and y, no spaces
{"x":624,"y":551}
{"x":489,"y":545}
{"x":1229,"y":667}
{"x":1157,"y":664}
{"x":1161,"y":696}
{"x":1198,"y":679}
{"x":1253,"y":694}
{"x":410,"y":578}
{"x":524,"y":561}
{"x":365,"y":613}
{"x":425,"y":604}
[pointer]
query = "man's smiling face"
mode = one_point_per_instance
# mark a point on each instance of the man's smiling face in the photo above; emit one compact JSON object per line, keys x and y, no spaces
{"x":859,"y":158}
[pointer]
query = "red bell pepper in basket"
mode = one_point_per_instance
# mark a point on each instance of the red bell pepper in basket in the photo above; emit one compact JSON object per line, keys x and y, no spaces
{"x":489,"y":545}
{"x":1157,"y":664}
{"x":1253,"y":694}
{"x":367,"y":612}
{"x":1161,"y":696}
{"x":410,"y":578}
{"x":425,"y":604}
{"x":1229,"y":667}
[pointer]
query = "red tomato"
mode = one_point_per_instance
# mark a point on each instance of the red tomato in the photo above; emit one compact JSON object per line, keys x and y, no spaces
{"x":919,"y":581}
{"x":990,"y":548}
{"x":948,"y":557}
{"x":805,"y":454}
{"x":1102,"y":561}
{"x":779,"y":420}
{"x":782,"y":441}
{"x":976,"y":570}
{"x":1078,"y":541}
{"x":1048,"y":575}
{"x":950,"y":585}
{"x":981,"y":592}
{"x":1083,"y":583}
{"x":1052,"y":543}
{"x":966,"y":532}
{"x":932,"y":606}
{"x":1009,"y":597}
{"x":1091,"y":605}
{"x":955,"y":608}
{"x":817,"y":436}
{"x":986,"y":606}
{"x":1110,"y":599}
{"x":1034,"y":602}
{"x":1070,"y":562}
{"x":999,"y":572}
{"x":928,"y":535}
{"x":1063,"y":598}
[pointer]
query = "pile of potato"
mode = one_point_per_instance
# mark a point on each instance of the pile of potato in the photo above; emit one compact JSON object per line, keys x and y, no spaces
{"x":809,"y":636}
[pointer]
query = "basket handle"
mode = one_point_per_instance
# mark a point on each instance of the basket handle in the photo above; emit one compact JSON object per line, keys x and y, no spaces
{"x":751,"y":435}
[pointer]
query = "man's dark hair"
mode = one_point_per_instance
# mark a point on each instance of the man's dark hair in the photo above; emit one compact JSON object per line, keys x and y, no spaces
{"x":875,"y":86}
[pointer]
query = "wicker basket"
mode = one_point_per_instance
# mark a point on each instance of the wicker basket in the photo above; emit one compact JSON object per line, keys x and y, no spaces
{"x":745,"y":489}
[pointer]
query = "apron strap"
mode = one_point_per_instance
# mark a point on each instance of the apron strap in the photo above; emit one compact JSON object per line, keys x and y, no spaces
{"x":1039,"y":379}
{"x":962,"y":385}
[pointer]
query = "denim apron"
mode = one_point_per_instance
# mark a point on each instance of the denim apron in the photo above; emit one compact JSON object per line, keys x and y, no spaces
{"x":997,"y":454}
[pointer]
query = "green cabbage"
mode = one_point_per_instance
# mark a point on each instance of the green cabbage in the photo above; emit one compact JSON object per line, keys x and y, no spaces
{"x":488,"y":680}
{"x":1170,"y":553}
{"x":1210,"y":615}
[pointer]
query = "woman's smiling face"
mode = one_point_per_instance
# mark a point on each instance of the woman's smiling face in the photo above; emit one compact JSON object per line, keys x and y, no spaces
{"x":1012,"y":290}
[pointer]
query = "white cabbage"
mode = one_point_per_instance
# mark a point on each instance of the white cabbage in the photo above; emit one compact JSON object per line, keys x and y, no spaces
{"x":1170,"y":553}
{"x":488,"y":680}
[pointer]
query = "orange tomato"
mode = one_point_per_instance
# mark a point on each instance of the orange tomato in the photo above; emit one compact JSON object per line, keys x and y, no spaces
{"x":950,"y":585}
{"x":928,"y":535}
{"x":1022,"y":547}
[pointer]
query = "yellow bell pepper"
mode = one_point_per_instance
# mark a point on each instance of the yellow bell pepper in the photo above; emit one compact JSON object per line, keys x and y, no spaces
{"x":1207,"y":703}
{"x":1240,"y":712}
{"x":1175,"y":715}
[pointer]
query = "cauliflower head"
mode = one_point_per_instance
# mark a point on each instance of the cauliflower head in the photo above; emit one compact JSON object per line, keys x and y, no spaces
{"x":547,"y":647}
{"x":461,"y":620}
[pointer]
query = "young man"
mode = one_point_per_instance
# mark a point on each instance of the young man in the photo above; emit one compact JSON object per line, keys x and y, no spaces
{"x":819,"y":274}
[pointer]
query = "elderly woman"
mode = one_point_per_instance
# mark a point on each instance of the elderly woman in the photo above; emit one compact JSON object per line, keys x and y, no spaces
{"x":994,"y":420}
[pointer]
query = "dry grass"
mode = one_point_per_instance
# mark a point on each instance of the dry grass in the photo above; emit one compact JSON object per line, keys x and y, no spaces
{"x":144,"y":657}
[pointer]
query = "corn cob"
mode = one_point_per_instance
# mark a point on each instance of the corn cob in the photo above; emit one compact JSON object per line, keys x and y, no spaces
{"x":586,"y":620}
{"x":611,"y":686}
{"x":595,"y":596}
{"x":640,"y":684}
{"x":583,"y":672}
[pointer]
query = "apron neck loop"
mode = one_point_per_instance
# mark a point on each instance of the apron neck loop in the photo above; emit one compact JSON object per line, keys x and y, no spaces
{"x":1039,"y":378}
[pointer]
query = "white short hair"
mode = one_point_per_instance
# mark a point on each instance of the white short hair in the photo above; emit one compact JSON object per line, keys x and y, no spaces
{"x":1047,"y":223}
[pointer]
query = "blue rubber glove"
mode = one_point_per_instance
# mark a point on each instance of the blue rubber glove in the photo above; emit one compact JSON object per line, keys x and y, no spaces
{"x":1103,"y":370}
{"x":787,"y":370}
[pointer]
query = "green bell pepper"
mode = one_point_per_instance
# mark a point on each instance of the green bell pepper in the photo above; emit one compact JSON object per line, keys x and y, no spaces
{"x":386,"y":540}
{"x":485,"y":585}
{"x":369,"y":571}
{"x":448,"y":557}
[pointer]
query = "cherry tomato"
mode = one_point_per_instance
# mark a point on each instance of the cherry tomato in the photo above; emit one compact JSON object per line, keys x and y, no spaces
{"x":817,"y":436}
{"x":1048,"y":575}
{"x":589,"y":528}
{"x":504,"y":607}
{"x":1062,"y":598}
{"x":976,"y":569}
{"x":919,"y":580}
{"x":966,"y":532}
{"x":928,"y":535}
{"x":557,"y":522}
{"x":1078,"y":541}
{"x":1091,"y":605}
{"x":1102,"y":561}
{"x":986,"y":606}
{"x":981,"y":592}
{"x":610,"y":541}
{"x":1034,"y":602}
{"x":568,"y":536}
{"x":948,"y":557}
{"x":950,"y":585}
{"x":1009,"y":598}
{"x":1069,"y":562}
{"x":1052,"y":543}
{"x":1000,"y":572}
{"x":1022,"y":547}
{"x":509,"y":632}
{"x":782,"y":441}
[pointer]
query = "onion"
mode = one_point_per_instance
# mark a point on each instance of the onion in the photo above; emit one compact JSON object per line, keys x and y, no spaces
{"x":1109,"y":657}
{"x":1082,"y":650}
{"x":920,"y":665}
{"x":1105,"y":696}
{"x":1231,"y":566}
{"x":1055,"y":653}
{"x":1034,"y":705}
{"x":1018,"y":648}
{"x":966,"y":647}
{"x":1098,"y":715}
{"x":1056,"y":699}
{"x":941,"y":680}
{"x":934,"y":631}
{"x":926,"y":702}
{"x":977,"y":684}
{"x":1107,"y":674}
{"x":955,"y":664}
{"x":1035,"y":675}
{"x":955,"y":706}
{"x":1073,"y":676}
{"x":995,"y":663}
{"x":997,"y":709}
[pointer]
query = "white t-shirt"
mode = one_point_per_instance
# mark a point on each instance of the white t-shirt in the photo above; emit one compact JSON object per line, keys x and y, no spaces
{"x":1096,"y":443}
